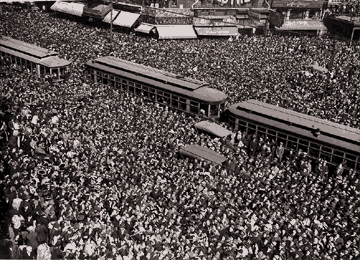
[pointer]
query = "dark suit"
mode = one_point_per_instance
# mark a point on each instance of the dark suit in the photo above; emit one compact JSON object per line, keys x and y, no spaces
{"x":25,"y":255}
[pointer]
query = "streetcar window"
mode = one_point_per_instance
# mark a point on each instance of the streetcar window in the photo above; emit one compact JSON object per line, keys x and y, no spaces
{"x":194,"y":109}
{"x":167,"y":98}
{"x":182,"y":100}
{"x":124,"y":85}
{"x":175,"y":102}
{"x":42,"y":70}
{"x":242,"y":123}
{"x":282,"y":138}
{"x":160,"y":93}
{"x":204,"y":108}
{"x":292,"y":142}
{"x":112,"y":81}
{"x":303,"y":145}
{"x":138,"y":89}
{"x":193,"y":103}
{"x":152,"y":90}
{"x":131,"y":86}
{"x":351,"y":164}
{"x":182,"y":106}
{"x":326,"y":149}
{"x":325,"y":156}
{"x":214,"y":110}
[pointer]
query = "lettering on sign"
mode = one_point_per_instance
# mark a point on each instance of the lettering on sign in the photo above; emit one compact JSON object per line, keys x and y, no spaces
{"x":297,"y":4}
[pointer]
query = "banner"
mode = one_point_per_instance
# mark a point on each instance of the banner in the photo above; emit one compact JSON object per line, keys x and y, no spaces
{"x":297,"y":4}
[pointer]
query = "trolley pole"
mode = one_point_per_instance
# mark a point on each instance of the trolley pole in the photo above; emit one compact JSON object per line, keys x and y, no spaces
{"x":111,"y":23}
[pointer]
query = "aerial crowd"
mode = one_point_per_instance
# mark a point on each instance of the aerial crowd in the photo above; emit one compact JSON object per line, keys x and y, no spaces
{"x":90,"y":172}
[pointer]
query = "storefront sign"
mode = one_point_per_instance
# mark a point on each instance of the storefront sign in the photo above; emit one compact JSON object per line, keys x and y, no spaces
{"x":254,"y":15}
{"x":297,"y":4}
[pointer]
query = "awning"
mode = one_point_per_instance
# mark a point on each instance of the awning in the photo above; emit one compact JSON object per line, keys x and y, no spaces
{"x":145,"y":28}
{"x":202,"y":153}
{"x":217,"y":31}
{"x":96,"y":10}
{"x":176,"y":31}
{"x":302,"y":25}
{"x":212,"y":128}
{"x":107,"y":17}
{"x":126,"y":19}
{"x":68,"y":8}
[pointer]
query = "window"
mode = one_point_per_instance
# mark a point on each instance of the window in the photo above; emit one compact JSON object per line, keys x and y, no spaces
{"x":303,"y":145}
{"x":160,"y":99}
{"x":145,"y":91}
{"x":55,"y":73}
{"x":242,"y":123}
{"x":194,"y":109}
{"x":105,"y":79}
{"x":314,"y":150}
{"x":174,"y":101}
{"x":151,"y":90}
{"x":182,"y":106}
{"x":326,"y":149}
{"x":112,"y":81}
{"x":160,"y":93}
{"x":98,"y":76}
{"x":214,"y":110}
{"x":282,"y":138}
{"x":193,"y":103}
{"x":205,"y":108}
{"x":42,"y":70}
{"x":292,"y":142}
{"x":138,"y":89}
{"x":131,"y":86}
{"x":167,"y":98}
{"x":325,"y":156}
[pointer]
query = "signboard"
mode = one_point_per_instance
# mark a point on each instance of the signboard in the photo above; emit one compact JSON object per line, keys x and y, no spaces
{"x":276,"y":19}
{"x":254,"y":15}
{"x":297,"y":4}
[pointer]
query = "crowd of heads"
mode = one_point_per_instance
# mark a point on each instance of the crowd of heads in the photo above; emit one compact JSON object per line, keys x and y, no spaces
{"x":91,"y":172}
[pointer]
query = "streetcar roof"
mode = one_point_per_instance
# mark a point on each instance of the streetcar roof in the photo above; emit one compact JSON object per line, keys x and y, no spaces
{"x":202,"y":153}
{"x":26,"y":48}
{"x":19,"y":54}
{"x":296,"y":119}
{"x":54,"y":62}
{"x":149,"y":72}
{"x":212,"y":128}
{"x":202,"y":94}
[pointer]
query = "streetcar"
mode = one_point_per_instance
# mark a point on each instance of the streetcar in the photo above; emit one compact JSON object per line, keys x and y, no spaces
{"x":319,"y":138}
{"x":30,"y":58}
{"x":175,"y":91}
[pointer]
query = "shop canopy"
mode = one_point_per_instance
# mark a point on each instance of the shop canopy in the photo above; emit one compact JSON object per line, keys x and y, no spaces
{"x":107,"y":18}
{"x":71,"y":8}
{"x":202,"y":153}
{"x":217,"y":31}
{"x":145,"y":28}
{"x":126,"y":19}
{"x":212,"y":128}
{"x":302,"y":25}
{"x":176,"y":32}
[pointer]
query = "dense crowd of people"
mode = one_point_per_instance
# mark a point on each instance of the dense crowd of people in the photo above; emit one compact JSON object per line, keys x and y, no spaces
{"x":89,"y":172}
